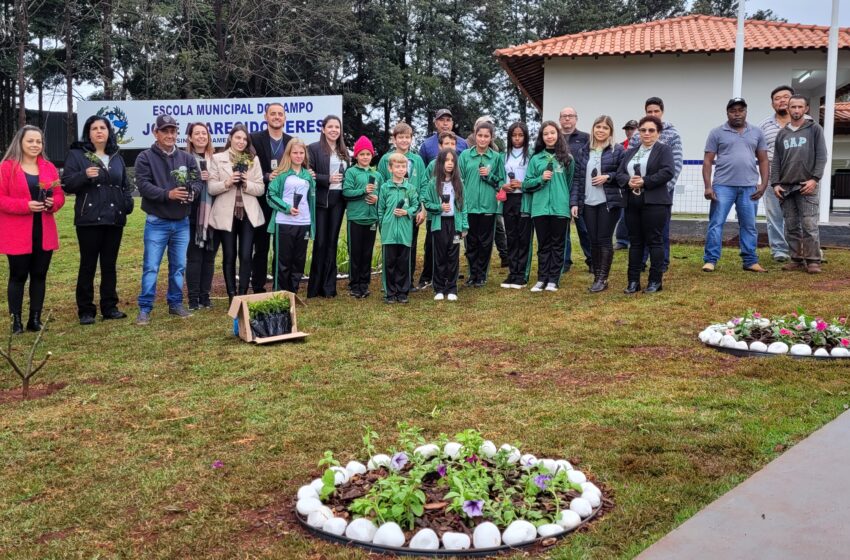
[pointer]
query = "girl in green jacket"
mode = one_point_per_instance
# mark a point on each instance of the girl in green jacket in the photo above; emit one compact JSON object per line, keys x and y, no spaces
{"x":482,"y":171}
{"x":360,"y":190}
{"x":443,"y":201}
{"x":547,"y":199}
{"x":292,"y":198}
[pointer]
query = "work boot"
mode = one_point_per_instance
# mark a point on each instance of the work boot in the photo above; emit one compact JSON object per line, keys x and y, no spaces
{"x":34,"y":323}
{"x":17,"y":325}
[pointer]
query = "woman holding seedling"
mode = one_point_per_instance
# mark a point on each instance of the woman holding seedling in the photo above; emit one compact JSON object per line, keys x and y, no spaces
{"x":292,"y":198}
{"x":547,"y":187}
{"x":236,"y":181}
{"x":29,"y":196}
{"x":360,"y":189}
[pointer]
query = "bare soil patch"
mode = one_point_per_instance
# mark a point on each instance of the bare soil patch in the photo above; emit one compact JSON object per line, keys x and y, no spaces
{"x":38,"y":391}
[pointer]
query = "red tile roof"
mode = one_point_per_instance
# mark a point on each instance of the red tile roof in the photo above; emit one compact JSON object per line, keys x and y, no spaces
{"x":842,"y":112}
{"x":688,"y":34}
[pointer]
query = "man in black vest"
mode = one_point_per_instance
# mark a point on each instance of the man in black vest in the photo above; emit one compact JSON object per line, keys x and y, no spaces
{"x":270,"y":145}
{"x":577,"y":140}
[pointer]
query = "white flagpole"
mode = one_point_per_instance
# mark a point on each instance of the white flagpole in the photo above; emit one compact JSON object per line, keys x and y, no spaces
{"x":829,"y":113}
{"x":738,"y":79}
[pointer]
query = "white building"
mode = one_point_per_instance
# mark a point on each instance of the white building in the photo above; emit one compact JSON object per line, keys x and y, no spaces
{"x":688,"y":62}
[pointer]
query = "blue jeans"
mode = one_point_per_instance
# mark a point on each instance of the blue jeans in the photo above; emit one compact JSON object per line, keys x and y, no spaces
{"x":775,"y":225}
{"x":583,"y":239}
{"x":746,"y":209}
{"x":162,"y":234}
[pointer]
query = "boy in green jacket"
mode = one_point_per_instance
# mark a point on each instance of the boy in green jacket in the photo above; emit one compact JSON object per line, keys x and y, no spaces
{"x":402,"y":139}
{"x":360,"y":189}
{"x":482,"y":171}
{"x":398,"y":203}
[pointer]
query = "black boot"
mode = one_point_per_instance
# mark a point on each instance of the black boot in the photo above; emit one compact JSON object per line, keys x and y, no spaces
{"x":17,"y":325}
{"x":606,"y":255}
{"x":595,"y":259}
{"x":633,"y":287}
{"x":34,"y":323}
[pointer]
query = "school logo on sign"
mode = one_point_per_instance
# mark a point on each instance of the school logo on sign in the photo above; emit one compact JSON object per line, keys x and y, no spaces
{"x":119,"y":121}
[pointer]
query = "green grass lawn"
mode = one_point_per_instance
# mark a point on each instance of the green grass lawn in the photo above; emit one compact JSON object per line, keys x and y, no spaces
{"x":118,"y":463}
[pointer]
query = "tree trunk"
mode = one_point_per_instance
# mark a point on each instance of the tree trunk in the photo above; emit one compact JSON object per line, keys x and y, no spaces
{"x":69,"y":72}
{"x":107,"y":73}
{"x":22,"y":40}
{"x":25,"y":388}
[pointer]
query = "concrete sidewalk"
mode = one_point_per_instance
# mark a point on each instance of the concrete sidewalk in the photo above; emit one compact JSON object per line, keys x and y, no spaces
{"x":798,"y":506}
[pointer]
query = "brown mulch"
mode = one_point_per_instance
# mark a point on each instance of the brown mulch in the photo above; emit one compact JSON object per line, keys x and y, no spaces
{"x":36,"y":392}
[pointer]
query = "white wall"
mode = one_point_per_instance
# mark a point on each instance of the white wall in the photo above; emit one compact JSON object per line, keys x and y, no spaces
{"x":694,"y":87}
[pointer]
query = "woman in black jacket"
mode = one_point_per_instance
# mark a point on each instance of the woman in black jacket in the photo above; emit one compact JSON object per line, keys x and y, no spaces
{"x":95,"y":173}
{"x":328,"y":159}
{"x":598,"y":197}
{"x":644,"y":173}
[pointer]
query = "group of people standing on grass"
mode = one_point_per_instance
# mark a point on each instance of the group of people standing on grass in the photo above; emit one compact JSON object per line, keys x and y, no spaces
{"x":268,"y":191}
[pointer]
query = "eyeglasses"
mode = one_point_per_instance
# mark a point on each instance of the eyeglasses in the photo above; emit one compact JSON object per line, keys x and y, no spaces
{"x":647,"y":130}
{"x":569,"y":116}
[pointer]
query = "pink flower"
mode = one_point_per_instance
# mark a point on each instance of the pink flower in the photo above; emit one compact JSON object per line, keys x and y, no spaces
{"x":736,"y":321}
{"x":785,"y":332}
{"x":794,"y":315}
{"x":730,"y":332}
{"x":845,"y":342}
{"x":757,"y":315}
{"x":820,"y":326}
{"x":217,"y":464}
{"x":842,"y":320}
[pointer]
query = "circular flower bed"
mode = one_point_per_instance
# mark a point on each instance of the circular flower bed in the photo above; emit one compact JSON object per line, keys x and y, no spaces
{"x":447,"y":497}
{"x":796,"y":334}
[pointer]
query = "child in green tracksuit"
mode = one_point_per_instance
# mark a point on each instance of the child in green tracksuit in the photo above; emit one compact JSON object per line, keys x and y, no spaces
{"x":361,"y":188}
{"x":444,"y":140}
{"x":398,"y":204}
{"x":443,"y":200}
{"x":402,"y":139}
{"x":482,"y":171}
{"x":546,"y":199}
{"x":292,"y":198}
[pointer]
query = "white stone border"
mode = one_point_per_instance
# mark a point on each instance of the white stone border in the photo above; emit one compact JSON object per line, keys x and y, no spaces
{"x":485,"y":536}
{"x":722,"y":335}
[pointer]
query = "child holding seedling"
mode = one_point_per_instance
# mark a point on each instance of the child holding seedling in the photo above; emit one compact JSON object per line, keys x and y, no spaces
{"x":415,"y":174}
{"x":398,"y":203}
{"x":360,"y":189}
{"x":482,"y":171}
{"x":443,"y":199}
{"x":547,"y":187}
{"x":292,"y":198}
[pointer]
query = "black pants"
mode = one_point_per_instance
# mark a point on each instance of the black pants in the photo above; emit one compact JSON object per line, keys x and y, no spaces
{"x":428,"y":263}
{"x":260,"y":259}
{"x":238,"y":241}
{"x":479,"y":245}
{"x":98,"y":243}
{"x":323,"y":267}
{"x":518,"y":230}
{"x":33,"y":266}
{"x":290,"y":254}
{"x":200,"y":267}
{"x":551,"y":234}
{"x":600,"y":224}
{"x":396,"y":270}
{"x":361,"y":244}
{"x":501,"y":237}
{"x":583,"y":240}
{"x":446,"y":257}
{"x":646,"y":230}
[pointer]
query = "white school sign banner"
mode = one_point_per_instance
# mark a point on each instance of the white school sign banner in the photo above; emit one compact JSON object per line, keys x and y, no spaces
{"x":133,"y":121}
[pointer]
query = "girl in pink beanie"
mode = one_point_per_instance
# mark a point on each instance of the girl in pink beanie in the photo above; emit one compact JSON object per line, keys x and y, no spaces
{"x":360,"y":189}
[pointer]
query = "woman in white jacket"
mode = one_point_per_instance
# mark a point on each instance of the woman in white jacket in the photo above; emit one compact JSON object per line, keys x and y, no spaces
{"x":236,"y":181}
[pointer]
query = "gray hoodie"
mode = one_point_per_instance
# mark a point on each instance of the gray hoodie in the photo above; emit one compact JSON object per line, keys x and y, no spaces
{"x":799,"y":155}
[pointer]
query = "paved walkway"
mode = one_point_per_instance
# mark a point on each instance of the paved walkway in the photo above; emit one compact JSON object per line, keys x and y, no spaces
{"x":797,"y":507}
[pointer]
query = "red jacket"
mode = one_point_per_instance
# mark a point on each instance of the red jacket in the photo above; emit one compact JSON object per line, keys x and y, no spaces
{"x":15,"y":216}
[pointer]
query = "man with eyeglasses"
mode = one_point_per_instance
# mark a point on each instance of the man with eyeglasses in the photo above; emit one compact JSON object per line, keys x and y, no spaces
{"x":576,"y":139}
{"x":771,"y":126}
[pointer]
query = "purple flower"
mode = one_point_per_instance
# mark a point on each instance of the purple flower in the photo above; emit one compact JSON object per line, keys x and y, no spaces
{"x":473,"y":508}
{"x":398,"y":461}
{"x":736,"y":321}
{"x":542,"y":480}
{"x":472,"y":459}
{"x":217,"y":464}
{"x":441,"y":470}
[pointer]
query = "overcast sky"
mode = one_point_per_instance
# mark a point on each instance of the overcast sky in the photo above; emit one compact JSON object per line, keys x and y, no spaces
{"x":817,"y":12}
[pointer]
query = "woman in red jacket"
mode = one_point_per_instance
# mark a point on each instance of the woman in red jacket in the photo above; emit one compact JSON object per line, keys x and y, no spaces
{"x":29,"y":196}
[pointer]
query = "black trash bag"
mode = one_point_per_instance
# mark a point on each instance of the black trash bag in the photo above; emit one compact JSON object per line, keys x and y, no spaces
{"x":258,"y":327}
{"x":286,"y":322}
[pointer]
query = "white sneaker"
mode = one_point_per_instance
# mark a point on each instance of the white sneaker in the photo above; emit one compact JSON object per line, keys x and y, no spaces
{"x":439,"y":297}
{"x":452,"y":297}
{"x":538,"y":287}
{"x":518,"y":286}
{"x":506,"y":285}
{"x":551,"y":287}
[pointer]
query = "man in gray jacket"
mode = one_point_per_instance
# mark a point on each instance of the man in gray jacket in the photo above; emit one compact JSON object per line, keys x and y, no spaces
{"x":799,"y":160}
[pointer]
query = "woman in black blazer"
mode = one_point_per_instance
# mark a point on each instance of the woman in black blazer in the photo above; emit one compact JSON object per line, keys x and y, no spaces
{"x":328,"y":159}
{"x":597,"y":196}
{"x":644,"y":173}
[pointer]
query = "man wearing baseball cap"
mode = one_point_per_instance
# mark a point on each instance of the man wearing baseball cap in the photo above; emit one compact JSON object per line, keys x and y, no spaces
{"x":734,"y":147}
{"x":443,"y":122}
{"x":629,"y":128}
{"x":168,"y":179}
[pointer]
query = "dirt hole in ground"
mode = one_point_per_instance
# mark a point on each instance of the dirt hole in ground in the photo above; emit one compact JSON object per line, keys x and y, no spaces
{"x":38,"y":391}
